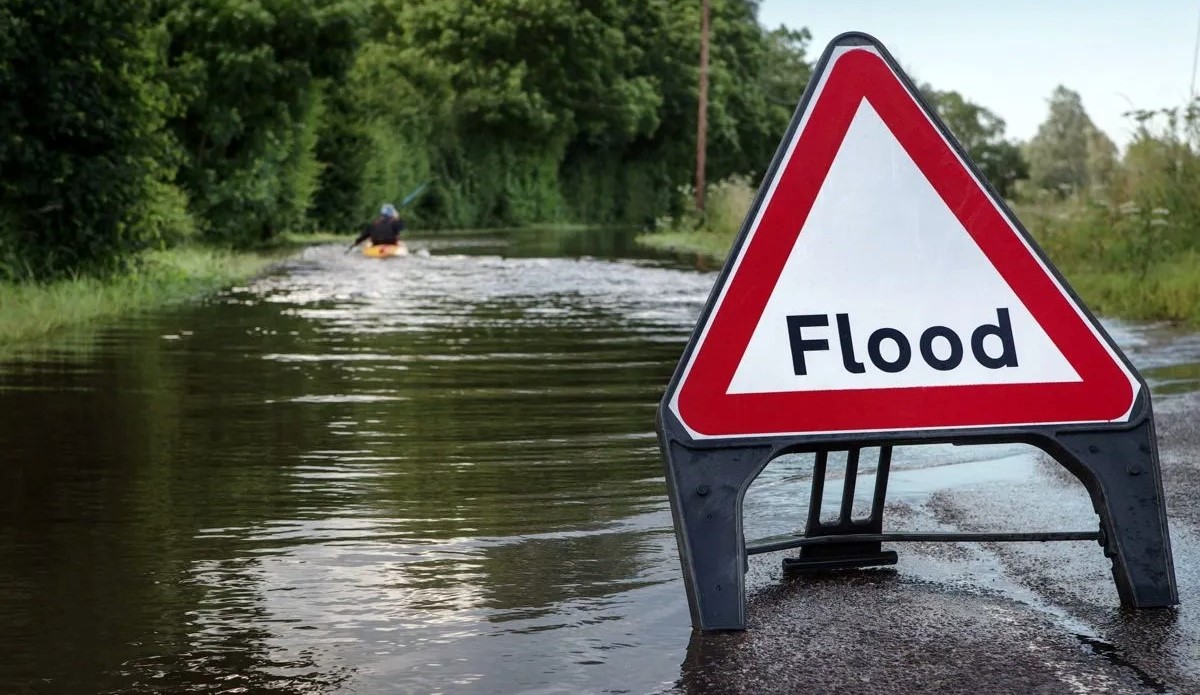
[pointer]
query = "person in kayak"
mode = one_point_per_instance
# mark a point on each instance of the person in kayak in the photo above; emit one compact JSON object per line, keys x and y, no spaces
{"x":385,"y":229}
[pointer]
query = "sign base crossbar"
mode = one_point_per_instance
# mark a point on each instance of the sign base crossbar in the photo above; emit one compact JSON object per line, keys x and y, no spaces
{"x":787,"y":542}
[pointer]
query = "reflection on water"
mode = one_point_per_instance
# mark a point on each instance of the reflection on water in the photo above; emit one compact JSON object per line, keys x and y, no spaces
{"x":435,"y":473}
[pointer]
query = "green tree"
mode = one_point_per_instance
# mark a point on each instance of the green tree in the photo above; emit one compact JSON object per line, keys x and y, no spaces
{"x":1160,"y":174}
{"x":981,"y":133}
{"x":1069,"y":153}
{"x":556,"y":110}
{"x":126,"y":124}
{"x":85,"y":162}
{"x":250,"y":73}
{"x":786,"y":71}
{"x":528,"y":80}
{"x":757,"y":79}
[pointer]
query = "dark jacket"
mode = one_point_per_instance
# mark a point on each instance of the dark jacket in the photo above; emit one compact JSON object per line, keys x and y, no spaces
{"x":382,"y":231}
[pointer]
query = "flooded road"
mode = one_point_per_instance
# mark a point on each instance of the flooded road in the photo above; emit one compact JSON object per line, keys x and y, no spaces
{"x":430,"y":474}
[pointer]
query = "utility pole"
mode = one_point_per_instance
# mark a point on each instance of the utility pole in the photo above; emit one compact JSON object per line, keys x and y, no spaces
{"x":1195,"y":55}
{"x":702,"y":116}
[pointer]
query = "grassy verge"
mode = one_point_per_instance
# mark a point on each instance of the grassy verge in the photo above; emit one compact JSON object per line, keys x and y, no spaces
{"x":290,"y":240}
{"x":704,"y":243}
{"x":710,"y":234}
{"x":1167,"y":291}
{"x":30,"y":312}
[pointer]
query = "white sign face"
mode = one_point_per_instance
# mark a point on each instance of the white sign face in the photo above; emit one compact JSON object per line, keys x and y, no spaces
{"x":885,"y":288}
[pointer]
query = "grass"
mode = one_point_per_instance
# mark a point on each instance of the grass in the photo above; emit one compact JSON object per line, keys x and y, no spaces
{"x":1125,"y":261}
{"x":292,"y":240}
{"x":35,"y":313}
{"x":1168,"y":290}
{"x":708,"y":244}
{"x":32,"y":312}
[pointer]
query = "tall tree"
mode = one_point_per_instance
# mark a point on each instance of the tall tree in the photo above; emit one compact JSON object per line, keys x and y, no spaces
{"x":84,"y":157}
{"x":981,"y":133}
{"x":249,"y":73}
{"x":786,"y":70}
{"x":129,"y":123}
{"x":1069,"y":153}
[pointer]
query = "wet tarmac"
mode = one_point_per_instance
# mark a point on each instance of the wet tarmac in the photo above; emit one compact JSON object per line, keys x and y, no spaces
{"x":978,"y":617}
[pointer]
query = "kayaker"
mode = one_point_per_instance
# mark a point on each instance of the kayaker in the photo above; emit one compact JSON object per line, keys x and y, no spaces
{"x":385,"y":229}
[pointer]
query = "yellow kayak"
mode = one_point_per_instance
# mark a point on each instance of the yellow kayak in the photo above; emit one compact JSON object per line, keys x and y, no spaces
{"x":385,"y":250}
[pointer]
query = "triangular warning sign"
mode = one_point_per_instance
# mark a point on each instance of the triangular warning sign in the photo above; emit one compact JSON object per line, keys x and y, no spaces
{"x":880,"y":286}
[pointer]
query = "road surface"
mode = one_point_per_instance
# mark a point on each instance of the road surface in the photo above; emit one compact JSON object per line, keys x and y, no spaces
{"x":981,"y":617}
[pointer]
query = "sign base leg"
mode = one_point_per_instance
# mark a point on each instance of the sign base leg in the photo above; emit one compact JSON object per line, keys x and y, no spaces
{"x":1121,"y":472}
{"x":706,"y":488}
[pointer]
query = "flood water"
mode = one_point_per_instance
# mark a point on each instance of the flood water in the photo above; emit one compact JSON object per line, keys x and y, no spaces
{"x":430,"y":474}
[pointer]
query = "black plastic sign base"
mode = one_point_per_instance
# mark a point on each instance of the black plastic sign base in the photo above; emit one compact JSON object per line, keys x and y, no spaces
{"x":708,"y":484}
{"x":774,"y":365}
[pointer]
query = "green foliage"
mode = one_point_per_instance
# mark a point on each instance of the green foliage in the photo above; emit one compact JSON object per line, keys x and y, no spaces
{"x":343,"y":148}
{"x":301,"y":172}
{"x":1091,"y":233}
{"x":981,"y":134}
{"x":1168,"y":290}
{"x":85,"y":163}
{"x":1161,"y":169}
{"x":1128,"y":246}
{"x":249,"y":73}
{"x":785,"y":71}
{"x":534,"y":70}
{"x":713,"y":230}
{"x":519,"y":82}
{"x":756,"y":80}
{"x":399,"y":102}
{"x":1069,"y":153}
{"x":542,"y":112}
{"x":610,"y":186}
{"x":144,"y":123}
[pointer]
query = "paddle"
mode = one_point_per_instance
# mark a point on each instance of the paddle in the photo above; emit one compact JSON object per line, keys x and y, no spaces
{"x":403,"y":203}
{"x":411,"y":196}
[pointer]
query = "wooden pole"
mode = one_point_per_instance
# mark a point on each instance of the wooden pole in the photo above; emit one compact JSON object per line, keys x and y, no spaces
{"x":702,"y":116}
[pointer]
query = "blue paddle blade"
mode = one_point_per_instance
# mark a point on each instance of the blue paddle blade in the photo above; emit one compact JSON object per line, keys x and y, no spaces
{"x":409,"y":198}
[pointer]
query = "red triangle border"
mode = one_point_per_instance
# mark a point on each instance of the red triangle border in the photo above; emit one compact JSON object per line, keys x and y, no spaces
{"x":1105,"y":393}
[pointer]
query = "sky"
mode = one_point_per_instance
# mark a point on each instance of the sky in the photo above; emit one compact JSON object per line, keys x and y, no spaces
{"x":1008,"y":56}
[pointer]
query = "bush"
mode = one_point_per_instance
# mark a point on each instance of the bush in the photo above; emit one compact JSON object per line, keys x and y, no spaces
{"x":85,"y":162}
{"x":250,"y":75}
{"x":726,"y":204}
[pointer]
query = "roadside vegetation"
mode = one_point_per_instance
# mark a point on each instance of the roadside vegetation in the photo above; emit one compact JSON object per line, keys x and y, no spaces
{"x":134,"y":130}
{"x":136,"y":136}
{"x":145,"y":124}
{"x":32,"y":311}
